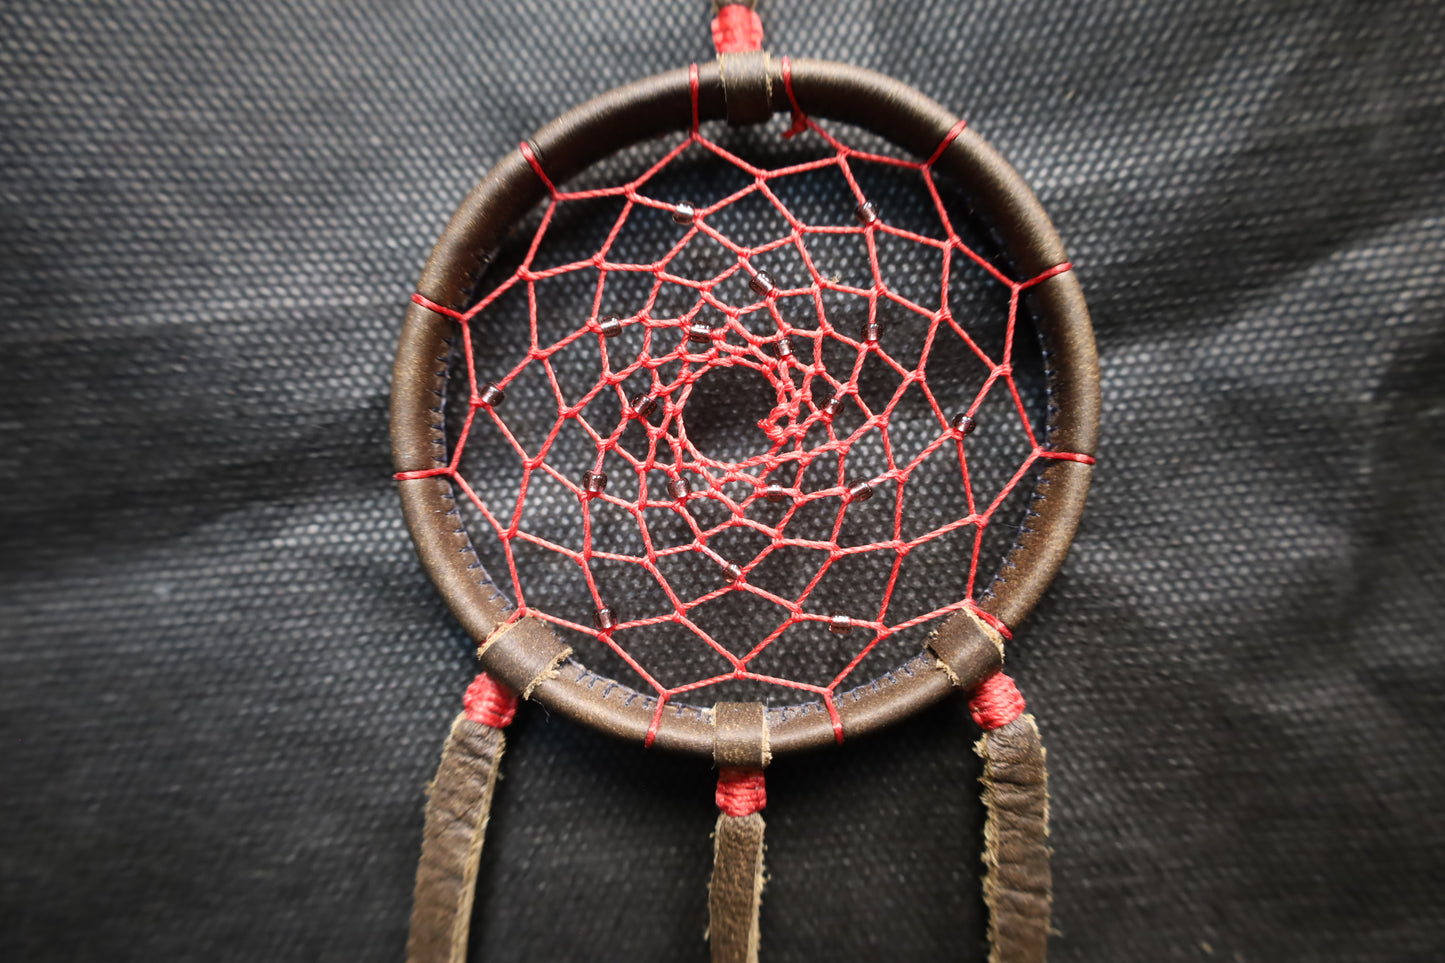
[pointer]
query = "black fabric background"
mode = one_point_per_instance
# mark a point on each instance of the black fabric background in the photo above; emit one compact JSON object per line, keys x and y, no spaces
{"x":224,"y":679}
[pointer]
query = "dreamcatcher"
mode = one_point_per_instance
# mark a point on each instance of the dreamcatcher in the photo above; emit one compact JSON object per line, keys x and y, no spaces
{"x":768,"y":443}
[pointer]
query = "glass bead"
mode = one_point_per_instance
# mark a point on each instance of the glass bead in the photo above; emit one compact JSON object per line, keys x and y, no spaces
{"x":963,"y":424}
{"x":871,"y":332}
{"x":604,"y":618}
{"x":860,"y":492}
{"x":492,"y":395}
{"x":784,"y":347}
{"x":610,"y":326}
{"x":644,"y":405}
{"x":678,"y":488}
{"x":840,"y":624}
{"x":699,"y":331}
{"x":684,"y":213}
{"x":866,"y":213}
{"x":733,"y":570}
{"x":775,"y":493}
{"x":595,"y":482}
{"x":831,"y":407}
{"x":763,"y":284}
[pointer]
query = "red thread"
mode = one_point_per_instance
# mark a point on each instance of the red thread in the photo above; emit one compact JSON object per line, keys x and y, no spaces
{"x":798,"y":427}
{"x":741,"y":792}
{"x":800,"y":119}
{"x":431,"y":305}
{"x":1068,"y":456}
{"x":656,"y":719}
{"x":489,"y":703}
{"x":996,"y":702}
{"x":948,"y":138}
{"x":526,"y":150}
{"x":993,"y":620}
{"x":1054,"y":271}
{"x":692,"y":85}
{"x":736,"y":29}
{"x":423,"y":473}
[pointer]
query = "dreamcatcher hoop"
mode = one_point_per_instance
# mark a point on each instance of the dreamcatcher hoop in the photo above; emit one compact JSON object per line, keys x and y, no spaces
{"x":744,"y":88}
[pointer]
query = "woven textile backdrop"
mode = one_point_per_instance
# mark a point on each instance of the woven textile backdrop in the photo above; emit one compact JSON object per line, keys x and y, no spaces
{"x":224,"y":679}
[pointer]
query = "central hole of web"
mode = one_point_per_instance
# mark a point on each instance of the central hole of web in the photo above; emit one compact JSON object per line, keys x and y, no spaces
{"x":722,"y":413}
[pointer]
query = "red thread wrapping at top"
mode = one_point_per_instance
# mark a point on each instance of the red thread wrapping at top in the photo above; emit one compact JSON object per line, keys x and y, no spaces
{"x":736,"y":29}
{"x":996,"y":702}
{"x":489,"y":703}
{"x":741,"y":792}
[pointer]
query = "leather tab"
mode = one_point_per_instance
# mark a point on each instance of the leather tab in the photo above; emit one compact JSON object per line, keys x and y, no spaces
{"x":1017,"y":886}
{"x":747,"y":87}
{"x":459,"y":801}
{"x":968,"y":648}
{"x":740,"y":735}
{"x":735,"y":893}
{"x":523,"y":654}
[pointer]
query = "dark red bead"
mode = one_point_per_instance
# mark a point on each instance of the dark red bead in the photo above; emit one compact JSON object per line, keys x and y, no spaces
{"x":644,"y":405}
{"x":733,"y":570}
{"x":763,"y":284}
{"x":871,"y":332}
{"x":860,"y":492}
{"x":831,"y":407}
{"x":699,"y":331}
{"x":784,"y":347}
{"x":610,"y":326}
{"x":963,"y":424}
{"x":840,"y":624}
{"x":492,"y":395}
{"x":594,"y":482}
{"x":775,"y":493}
{"x":866,"y":213}
{"x":678,"y":488}
{"x":684,"y":213}
{"x":604,"y":618}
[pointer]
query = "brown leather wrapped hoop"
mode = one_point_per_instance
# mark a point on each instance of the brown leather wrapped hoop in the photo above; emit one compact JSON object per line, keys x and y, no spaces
{"x":659,"y":105}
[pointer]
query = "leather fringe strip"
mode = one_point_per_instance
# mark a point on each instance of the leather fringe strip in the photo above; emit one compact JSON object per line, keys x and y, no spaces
{"x":1017,"y":885}
{"x":735,"y":893}
{"x":459,"y":801}
{"x":741,"y":751}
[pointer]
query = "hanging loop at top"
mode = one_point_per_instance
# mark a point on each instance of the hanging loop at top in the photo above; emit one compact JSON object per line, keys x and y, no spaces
{"x":747,"y":76}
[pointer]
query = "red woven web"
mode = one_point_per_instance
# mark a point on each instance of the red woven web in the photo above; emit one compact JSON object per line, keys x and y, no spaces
{"x":759,"y":334}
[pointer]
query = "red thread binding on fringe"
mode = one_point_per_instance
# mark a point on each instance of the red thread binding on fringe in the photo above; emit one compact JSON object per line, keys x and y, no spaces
{"x":741,"y":792}
{"x":673,"y":363}
{"x":737,"y":29}
{"x":489,"y":703}
{"x":996,"y":702}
